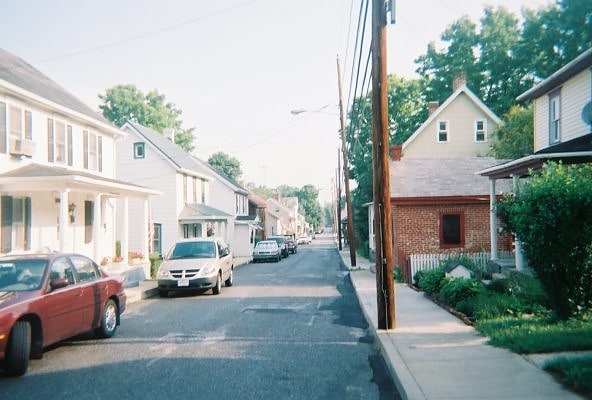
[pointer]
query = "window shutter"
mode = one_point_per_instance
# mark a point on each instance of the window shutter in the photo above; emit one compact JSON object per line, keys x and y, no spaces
{"x":27,"y":223}
{"x":100,"y":153}
{"x":28,"y":125}
{"x":88,"y":220}
{"x":6,"y":229}
{"x":85,"y":148}
{"x":70,"y":149}
{"x":2,"y":127}
{"x":50,"y":140}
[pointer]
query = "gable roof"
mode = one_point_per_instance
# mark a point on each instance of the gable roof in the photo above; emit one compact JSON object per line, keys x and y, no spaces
{"x":19,"y":74}
{"x":172,"y":152}
{"x":575,"y":66}
{"x":421,"y":178}
{"x":462,"y":89}
{"x":222,"y":177}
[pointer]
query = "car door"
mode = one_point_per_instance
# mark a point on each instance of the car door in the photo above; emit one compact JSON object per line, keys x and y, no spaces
{"x":62,"y":314}
{"x":92,"y":291}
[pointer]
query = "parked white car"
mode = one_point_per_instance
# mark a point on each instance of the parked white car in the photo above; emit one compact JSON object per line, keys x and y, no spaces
{"x":196,"y":264}
{"x":303,"y":239}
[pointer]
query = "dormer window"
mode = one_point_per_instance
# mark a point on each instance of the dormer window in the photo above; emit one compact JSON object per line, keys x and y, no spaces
{"x":555,"y":118}
{"x":442,"y":131}
{"x":139,"y":150}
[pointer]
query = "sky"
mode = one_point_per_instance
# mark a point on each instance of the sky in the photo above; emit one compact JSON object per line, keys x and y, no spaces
{"x":235,"y":68}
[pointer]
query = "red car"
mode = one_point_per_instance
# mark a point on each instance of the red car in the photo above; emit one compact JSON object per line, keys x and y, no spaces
{"x":46,"y":298}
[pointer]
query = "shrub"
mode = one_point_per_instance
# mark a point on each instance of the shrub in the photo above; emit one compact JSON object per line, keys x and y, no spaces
{"x":552,"y":216}
{"x":429,"y":281}
{"x":455,"y":290}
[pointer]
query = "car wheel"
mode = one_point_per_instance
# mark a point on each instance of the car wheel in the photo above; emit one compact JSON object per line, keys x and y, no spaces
{"x":19,"y":348}
{"x":163,"y":293}
{"x":278,"y":258}
{"x":228,"y":282}
{"x":218,"y":288}
{"x":108,"y":321}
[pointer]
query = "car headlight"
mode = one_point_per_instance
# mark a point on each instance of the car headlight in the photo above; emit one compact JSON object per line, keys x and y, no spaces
{"x":209,"y":269}
{"x":163,"y":274}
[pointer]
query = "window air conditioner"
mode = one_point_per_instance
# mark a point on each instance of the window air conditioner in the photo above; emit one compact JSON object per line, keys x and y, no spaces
{"x":22,"y":147}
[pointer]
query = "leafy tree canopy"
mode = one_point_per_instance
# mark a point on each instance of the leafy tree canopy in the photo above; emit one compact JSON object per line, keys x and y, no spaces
{"x":514,"y":138}
{"x":228,"y":165}
{"x":126,"y":102}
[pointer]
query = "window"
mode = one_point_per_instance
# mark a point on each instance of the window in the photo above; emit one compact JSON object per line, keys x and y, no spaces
{"x":555,"y":118}
{"x":442,"y":131}
{"x":185,"y":189}
{"x":93,"y":151}
{"x":157,"y":238}
{"x":480,"y":135}
{"x":59,"y":142}
{"x":451,"y":230}
{"x":85,"y":269}
{"x":139,"y":150}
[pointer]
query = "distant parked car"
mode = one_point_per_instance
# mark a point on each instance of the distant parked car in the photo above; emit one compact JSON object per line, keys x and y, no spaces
{"x":303,"y":239}
{"x":281,"y":242}
{"x":48,"y":297}
{"x":267,"y":250}
{"x":196,"y":264}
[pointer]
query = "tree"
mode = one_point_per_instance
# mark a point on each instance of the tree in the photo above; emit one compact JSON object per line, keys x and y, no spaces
{"x":126,"y":102}
{"x":228,"y":165}
{"x":514,"y":138}
{"x":407,"y":110}
{"x":552,"y":215}
{"x":308,"y":202}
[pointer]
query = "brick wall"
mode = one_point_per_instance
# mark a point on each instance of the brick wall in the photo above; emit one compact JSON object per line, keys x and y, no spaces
{"x":416,"y":229}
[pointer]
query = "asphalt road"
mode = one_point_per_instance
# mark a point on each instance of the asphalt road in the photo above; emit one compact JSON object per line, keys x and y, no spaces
{"x":287,"y":330}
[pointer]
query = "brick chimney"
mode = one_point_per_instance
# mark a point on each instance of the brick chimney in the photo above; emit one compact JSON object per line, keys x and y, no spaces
{"x":460,"y":79}
{"x":397,"y":152}
{"x":432,"y":107}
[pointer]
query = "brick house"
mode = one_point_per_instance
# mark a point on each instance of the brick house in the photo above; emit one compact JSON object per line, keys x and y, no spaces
{"x":441,"y":206}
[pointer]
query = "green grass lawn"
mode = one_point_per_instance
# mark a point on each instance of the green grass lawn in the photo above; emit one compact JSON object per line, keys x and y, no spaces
{"x":543,"y":335}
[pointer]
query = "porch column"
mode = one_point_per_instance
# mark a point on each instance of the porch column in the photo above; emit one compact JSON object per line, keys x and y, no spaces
{"x":97,"y":222}
{"x":519,"y":257}
{"x":125,"y":230}
{"x":492,"y":219}
{"x":63,"y":219}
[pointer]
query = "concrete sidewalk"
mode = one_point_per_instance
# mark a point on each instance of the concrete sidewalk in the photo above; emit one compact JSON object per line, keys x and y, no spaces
{"x":431,"y":354}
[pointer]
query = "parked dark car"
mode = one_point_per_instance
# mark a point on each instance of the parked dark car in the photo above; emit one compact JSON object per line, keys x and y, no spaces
{"x":46,"y":298}
{"x":281,"y":242}
{"x":291,"y":244}
{"x":266,"y":250}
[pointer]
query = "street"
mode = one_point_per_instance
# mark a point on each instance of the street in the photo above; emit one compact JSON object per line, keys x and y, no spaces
{"x":287,"y":330}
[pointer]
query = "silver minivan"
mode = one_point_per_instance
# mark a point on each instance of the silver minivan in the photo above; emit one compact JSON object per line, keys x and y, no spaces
{"x":196,"y":264}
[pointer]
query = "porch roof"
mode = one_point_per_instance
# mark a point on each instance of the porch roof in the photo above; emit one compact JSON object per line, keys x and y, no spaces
{"x":192,"y":213}
{"x":41,"y":178}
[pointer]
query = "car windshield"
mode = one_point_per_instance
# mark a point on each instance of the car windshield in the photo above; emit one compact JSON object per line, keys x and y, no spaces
{"x":21,"y":275}
{"x":193,"y":250}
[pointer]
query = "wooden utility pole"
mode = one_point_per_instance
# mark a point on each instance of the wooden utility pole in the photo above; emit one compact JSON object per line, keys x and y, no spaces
{"x":350,"y":221}
{"x":385,"y":284}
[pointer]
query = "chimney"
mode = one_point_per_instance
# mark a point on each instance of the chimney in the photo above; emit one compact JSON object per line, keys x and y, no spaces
{"x":459,"y":79}
{"x":397,"y":152}
{"x":432,"y":106}
{"x":169,"y":133}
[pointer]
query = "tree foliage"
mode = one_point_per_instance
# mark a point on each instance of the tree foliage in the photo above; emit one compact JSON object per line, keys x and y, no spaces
{"x":514,"y":138}
{"x":552,"y":215}
{"x":308,"y":202}
{"x":228,"y":165}
{"x":126,"y":102}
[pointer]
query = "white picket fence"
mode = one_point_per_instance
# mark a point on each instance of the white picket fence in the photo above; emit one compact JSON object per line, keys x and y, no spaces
{"x":420,"y":262}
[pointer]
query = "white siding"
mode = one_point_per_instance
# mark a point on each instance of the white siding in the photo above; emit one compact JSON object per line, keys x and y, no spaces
{"x":575,"y":94}
{"x":461,"y":115}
